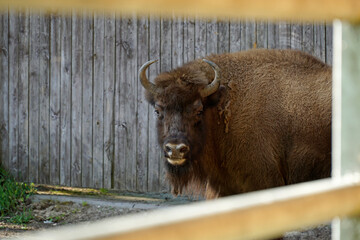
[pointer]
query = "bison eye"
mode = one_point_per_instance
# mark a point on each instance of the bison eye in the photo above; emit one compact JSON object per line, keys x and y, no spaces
{"x":158,"y":114}
{"x":199,"y":113}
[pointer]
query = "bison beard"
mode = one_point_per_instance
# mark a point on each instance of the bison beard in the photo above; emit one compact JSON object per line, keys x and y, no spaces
{"x":243,"y":121}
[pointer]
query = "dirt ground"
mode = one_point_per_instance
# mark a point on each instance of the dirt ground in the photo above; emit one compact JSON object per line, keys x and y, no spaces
{"x":56,"y":206}
{"x":59,"y":206}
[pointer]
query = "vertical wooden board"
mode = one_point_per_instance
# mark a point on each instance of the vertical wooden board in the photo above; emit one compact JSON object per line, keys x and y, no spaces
{"x":119,"y":150}
{"x":200,"y":38}
{"x":308,"y":38}
{"x":87,"y":116}
{"x":243,"y":33}
{"x":109,"y":94}
{"x":34,"y":93}
{"x":273,"y":35}
{"x":250,"y":29}
{"x":212,"y":36}
{"x":65,"y":99}
{"x":98,"y":104}
{"x":142,"y":121}
{"x":296,"y":36}
{"x":235,"y":36}
{"x":23,"y":128}
{"x":319,"y":41}
{"x":329,"y":43}
{"x":55,"y":84}
{"x":223,"y":36}
{"x":154,"y":154}
{"x":4,"y":86}
{"x":13,"y":90}
{"x":165,"y":65}
{"x":44,"y":133}
{"x":76,"y":98}
{"x":189,"y":39}
{"x":128,"y":81}
{"x":261,"y":34}
{"x":284,"y":35}
{"x":177,"y":42}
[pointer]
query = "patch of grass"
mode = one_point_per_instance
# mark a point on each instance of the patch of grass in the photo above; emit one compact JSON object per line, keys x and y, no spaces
{"x":56,"y":219}
{"x":13,"y":198}
{"x":84,"y":204}
{"x":104,"y":190}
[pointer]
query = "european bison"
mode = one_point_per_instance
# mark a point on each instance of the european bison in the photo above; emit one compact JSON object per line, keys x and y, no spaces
{"x":240,"y":122}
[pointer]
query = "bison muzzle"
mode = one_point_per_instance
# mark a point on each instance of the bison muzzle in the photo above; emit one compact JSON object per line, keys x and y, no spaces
{"x":240,"y":122}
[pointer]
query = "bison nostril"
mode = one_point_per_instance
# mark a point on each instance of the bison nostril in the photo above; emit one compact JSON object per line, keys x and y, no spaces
{"x":183,"y":148}
{"x":167,"y":149}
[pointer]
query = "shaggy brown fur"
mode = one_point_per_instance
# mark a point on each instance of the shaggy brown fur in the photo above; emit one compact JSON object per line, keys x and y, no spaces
{"x":268,"y":125}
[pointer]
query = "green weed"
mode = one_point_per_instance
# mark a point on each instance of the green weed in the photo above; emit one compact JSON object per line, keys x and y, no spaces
{"x":13,"y":197}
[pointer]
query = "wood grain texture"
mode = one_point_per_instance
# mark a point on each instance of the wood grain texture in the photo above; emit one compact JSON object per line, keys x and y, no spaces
{"x":76,"y":98}
{"x":142,"y":114}
{"x":65,"y":100}
{"x":165,"y":65}
{"x":154,"y":154}
{"x":55,"y":97}
{"x":98,"y":101}
{"x":44,"y":133}
{"x":109,"y":95}
{"x":13,"y":91}
{"x":4,"y":89}
{"x":23,"y":126}
{"x":87,"y":84}
{"x":34,"y":97}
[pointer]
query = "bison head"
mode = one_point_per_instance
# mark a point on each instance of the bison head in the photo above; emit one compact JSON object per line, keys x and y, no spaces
{"x":181,"y":98}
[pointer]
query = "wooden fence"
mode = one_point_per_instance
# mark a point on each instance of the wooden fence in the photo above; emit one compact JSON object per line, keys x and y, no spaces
{"x":72,"y":111}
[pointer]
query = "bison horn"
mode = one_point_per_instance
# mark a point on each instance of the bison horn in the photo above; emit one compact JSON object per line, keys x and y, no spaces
{"x":214,"y":85}
{"x":145,"y":81}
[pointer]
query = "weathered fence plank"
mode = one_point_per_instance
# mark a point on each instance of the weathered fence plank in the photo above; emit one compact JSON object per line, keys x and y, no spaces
{"x":177,"y":42}
{"x":88,"y":165}
{"x":34,"y":93}
{"x":44,"y":160}
{"x":23,"y":127}
{"x":308,"y":38}
{"x":189,"y":39}
{"x":119,"y":168}
{"x":154,"y":152}
{"x":235,"y":36}
{"x":223,"y":36}
{"x":261,"y":34}
{"x":65,"y":100}
{"x":296,"y":36}
{"x":128,"y":80}
{"x":329,"y":43}
{"x":109,"y":93}
{"x":319,"y":41}
{"x":142,"y":114}
{"x":4,"y":86}
{"x":13,"y":90}
{"x":77,"y":111}
{"x":98,"y":101}
{"x":76,"y":98}
{"x":200,"y":38}
{"x":165,"y":65}
{"x":55,"y":90}
{"x":212,"y":36}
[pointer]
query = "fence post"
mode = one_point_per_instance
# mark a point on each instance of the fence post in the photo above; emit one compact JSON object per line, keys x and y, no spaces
{"x":346,"y":115}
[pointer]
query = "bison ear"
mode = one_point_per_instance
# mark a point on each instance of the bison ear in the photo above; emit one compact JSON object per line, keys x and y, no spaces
{"x":215,"y":98}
